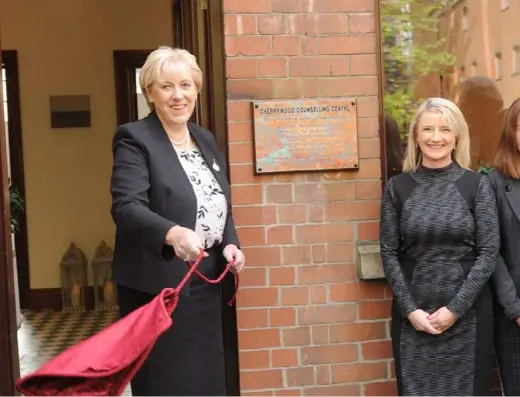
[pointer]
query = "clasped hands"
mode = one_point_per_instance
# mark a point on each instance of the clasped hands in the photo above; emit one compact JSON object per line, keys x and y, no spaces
{"x":435,"y":323}
{"x":187,"y":246}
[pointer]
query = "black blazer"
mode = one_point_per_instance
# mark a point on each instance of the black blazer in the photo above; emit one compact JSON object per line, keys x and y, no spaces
{"x":506,"y":278}
{"x":151,"y":193}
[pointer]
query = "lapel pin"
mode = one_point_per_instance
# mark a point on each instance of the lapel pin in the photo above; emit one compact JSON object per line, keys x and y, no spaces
{"x":215,"y":166}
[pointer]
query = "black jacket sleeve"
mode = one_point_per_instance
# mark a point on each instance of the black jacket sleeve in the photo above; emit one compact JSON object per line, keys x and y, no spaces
{"x":129,"y":188}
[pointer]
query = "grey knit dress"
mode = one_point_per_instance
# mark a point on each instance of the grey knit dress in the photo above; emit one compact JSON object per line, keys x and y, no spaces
{"x":439,"y":242}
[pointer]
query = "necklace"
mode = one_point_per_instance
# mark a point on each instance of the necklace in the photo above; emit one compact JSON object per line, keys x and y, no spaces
{"x":184,"y":142}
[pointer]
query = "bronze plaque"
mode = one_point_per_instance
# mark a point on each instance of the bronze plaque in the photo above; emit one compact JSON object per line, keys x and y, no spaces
{"x":309,"y":135}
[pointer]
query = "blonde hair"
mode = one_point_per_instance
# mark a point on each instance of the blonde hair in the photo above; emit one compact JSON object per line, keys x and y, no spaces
{"x":161,"y":61}
{"x":455,"y":120}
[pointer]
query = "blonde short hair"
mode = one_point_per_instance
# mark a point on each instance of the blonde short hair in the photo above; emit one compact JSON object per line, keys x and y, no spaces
{"x":455,"y":120}
{"x":161,"y":61}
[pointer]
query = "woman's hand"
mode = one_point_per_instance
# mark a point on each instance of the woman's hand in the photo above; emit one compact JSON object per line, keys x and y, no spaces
{"x":231,"y":252}
{"x":419,"y":320}
{"x":442,"y":319}
{"x":185,"y":242}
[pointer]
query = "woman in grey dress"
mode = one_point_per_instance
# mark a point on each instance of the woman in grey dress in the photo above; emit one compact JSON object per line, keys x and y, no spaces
{"x":505,"y":179}
{"x":439,"y":241}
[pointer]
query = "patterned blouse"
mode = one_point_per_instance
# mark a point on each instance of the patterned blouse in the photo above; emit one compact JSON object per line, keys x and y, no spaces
{"x":212,"y":206}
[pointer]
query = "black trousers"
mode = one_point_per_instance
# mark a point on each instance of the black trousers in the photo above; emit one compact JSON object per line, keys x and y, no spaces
{"x":188,"y":359}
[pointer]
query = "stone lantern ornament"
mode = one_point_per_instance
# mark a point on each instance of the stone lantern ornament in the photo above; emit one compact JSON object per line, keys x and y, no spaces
{"x":105,"y":294}
{"x":73,"y":269}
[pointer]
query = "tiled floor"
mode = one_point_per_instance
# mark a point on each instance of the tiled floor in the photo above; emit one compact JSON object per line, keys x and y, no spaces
{"x":46,"y":333}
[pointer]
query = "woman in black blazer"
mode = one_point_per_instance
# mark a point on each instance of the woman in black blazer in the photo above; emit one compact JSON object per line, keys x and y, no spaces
{"x":170,"y":199}
{"x":505,"y":179}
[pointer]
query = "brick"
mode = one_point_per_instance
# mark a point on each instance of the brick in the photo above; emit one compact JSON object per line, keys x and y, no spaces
{"x":240,"y":152}
{"x":285,"y":6}
{"x":239,"y":111}
{"x":358,"y":372}
{"x":240,"y":6}
{"x":254,"y":215}
{"x":282,"y":276}
{"x":361,"y":23}
{"x":252,"y":318}
{"x":284,"y":358}
{"x":368,"y":107}
{"x":272,"y":24}
{"x":349,"y":86}
{"x":318,"y":66}
{"x":368,"y":231}
{"x":286,"y":45}
{"x":245,"y":174}
{"x":262,"y":256}
{"x":250,"y":89}
{"x":369,"y":148}
{"x":320,"y":334}
{"x":374,"y":310}
{"x":308,"y":24}
{"x":343,"y":6}
{"x":320,"y":274}
{"x":239,"y":24}
{"x":256,"y":359}
{"x":354,"y":210}
{"x":386,"y":388}
{"x":253,"y":277}
{"x":256,"y":393}
{"x":299,"y":376}
{"x":292,"y":296}
{"x":288,"y":392}
{"x":288,"y":88}
{"x":299,"y":336}
{"x":340,"y":252}
{"x":376,"y":350}
{"x":240,"y":68}
{"x":368,"y":128}
{"x":296,"y":255}
{"x":319,"y":253}
{"x":279,"y":193}
{"x":251,"y":235}
{"x":348,"y":292}
{"x":364,"y":64}
{"x":323,"y":192}
{"x":336,"y":44}
{"x":357,"y":332}
{"x":340,"y":390}
{"x":272,"y":378}
{"x":282,"y":317}
{"x":318,"y":294}
{"x":310,"y":45}
{"x":259,"y":338}
{"x":292,"y":214}
{"x":329,"y":354}
{"x":308,"y":234}
{"x":272,"y":67}
{"x":311,"y":88}
{"x":240,"y":132}
{"x":323,"y":375}
{"x":280,"y":235}
{"x":247,"y":45}
{"x":367,"y":190}
{"x":258,"y":297}
{"x":247,"y":194}
{"x":326,"y":314}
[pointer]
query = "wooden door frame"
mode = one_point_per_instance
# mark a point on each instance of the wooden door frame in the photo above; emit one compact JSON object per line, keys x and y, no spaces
{"x":10,"y":367}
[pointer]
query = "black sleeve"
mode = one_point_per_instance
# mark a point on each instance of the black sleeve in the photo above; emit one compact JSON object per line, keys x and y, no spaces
{"x":129,"y":188}
{"x":390,"y":240}
{"x":487,"y":242}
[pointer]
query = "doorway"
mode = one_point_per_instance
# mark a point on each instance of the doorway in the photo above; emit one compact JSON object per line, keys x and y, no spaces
{"x":193,"y":24}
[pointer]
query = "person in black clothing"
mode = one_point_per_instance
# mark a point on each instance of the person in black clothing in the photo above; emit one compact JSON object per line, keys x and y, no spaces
{"x":439,"y":242}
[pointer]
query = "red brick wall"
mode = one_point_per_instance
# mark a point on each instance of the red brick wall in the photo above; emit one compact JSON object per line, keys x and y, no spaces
{"x":306,"y":324}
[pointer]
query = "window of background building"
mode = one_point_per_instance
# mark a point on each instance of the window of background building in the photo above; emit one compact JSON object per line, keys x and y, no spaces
{"x":498,"y":65}
{"x":516,"y":60}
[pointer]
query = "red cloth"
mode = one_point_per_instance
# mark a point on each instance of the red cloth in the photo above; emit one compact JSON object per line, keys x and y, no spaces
{"x":104,"y":364}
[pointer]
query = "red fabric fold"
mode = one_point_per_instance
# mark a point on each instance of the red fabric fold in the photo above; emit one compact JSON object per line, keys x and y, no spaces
{"x":104,"y":364}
